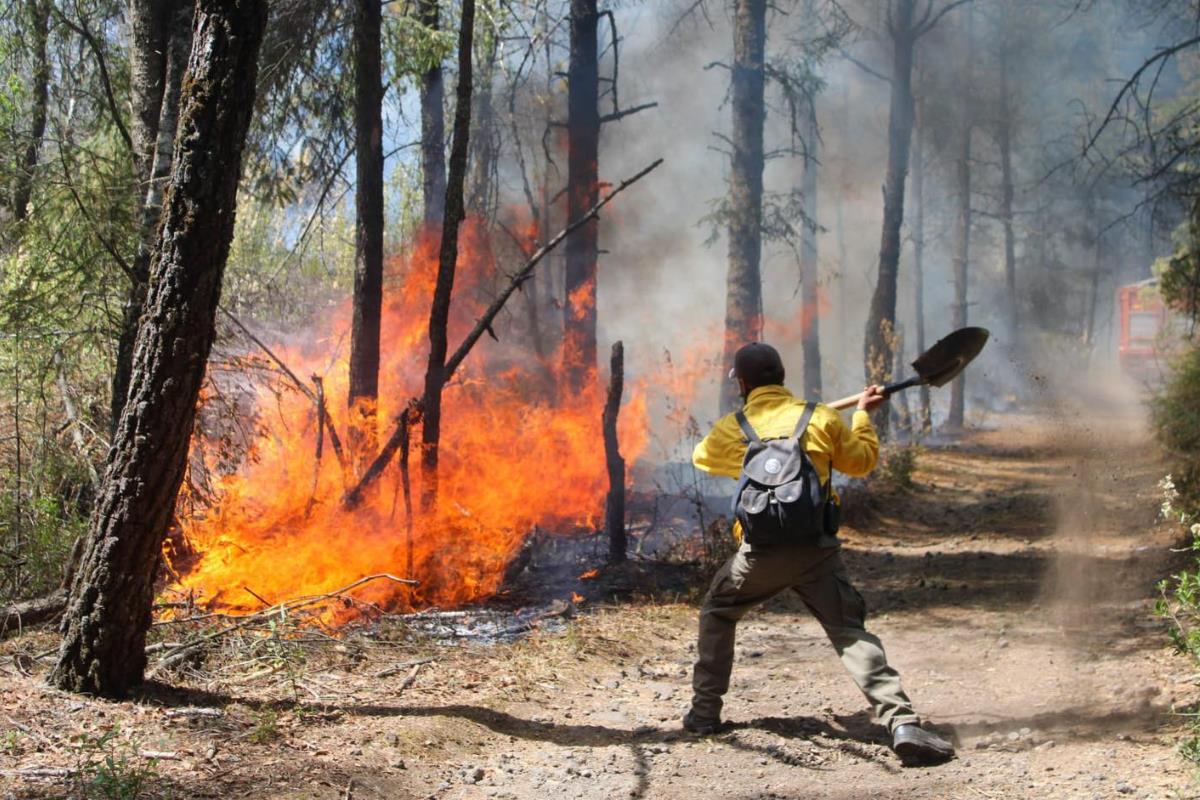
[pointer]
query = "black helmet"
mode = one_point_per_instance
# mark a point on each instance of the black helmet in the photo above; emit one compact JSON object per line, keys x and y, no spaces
{"x":757,"y":364}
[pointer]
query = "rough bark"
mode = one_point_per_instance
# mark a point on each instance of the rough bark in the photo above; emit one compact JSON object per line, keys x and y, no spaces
{"x":878,"y":341}
{"x":171,"y":58}
{"x":743,"y":282}
{"x":439,"y":312}
{"x":583,"y":147}
{"x":368,"y":226}
{"x":433,"y":127}
{"x":962,"y":225}
{"x":810,"y":334}
{"x":925,"y":419}
{"x":39,"y":23}
{"x":149,"y":25}
{"x":614,"y":504}
{"x":103,"y":647}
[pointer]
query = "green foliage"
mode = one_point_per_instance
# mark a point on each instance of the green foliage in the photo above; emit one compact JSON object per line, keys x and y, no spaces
{"x":1176,"y":418}
{"x":1179,"y":600}
{"x":111,"y":769}
{"x":1179,"y":274}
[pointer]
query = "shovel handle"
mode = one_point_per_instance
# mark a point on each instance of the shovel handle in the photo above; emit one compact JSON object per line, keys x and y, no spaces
{"x":888,"y":390}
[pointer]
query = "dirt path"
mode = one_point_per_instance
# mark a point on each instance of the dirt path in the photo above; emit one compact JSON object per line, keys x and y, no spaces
{"x":1013,"y":588}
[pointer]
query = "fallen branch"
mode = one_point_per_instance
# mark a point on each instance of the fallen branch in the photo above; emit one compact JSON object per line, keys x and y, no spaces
{"x":177,"y":654}
{"x":18,"y":616}
{"x":395,"y":668}
{"x":412,"y":412}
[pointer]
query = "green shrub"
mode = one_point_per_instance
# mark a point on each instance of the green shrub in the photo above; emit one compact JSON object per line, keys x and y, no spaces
{"x":899,"y":464}
{"x":1179,"y":600}
{"x":1176,"y":416}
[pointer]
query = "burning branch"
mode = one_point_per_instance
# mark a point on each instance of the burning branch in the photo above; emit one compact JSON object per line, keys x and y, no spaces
{"x":317,"y":399}
{"x":412,"y":413}
{"x":485,"y":322}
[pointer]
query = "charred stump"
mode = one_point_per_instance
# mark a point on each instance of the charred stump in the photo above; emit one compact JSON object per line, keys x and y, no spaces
{"x":103,"y":647}
{"x":614,"y":504}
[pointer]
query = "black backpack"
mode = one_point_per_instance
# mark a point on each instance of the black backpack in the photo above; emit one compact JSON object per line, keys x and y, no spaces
{"x":779,"y":498}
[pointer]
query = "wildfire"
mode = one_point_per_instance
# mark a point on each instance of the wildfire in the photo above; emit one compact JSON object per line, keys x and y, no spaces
{"x":591,"y":573}
{"x":515,"y":454}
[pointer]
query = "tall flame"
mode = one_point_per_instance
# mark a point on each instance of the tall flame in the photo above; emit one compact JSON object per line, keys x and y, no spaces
{"x":514,"y":455}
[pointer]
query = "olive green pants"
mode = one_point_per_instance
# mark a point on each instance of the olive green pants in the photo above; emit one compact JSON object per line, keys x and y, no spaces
{"x":818,"y":576}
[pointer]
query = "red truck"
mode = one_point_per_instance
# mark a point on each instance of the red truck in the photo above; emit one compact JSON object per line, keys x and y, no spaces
{"x":1148,"y":331}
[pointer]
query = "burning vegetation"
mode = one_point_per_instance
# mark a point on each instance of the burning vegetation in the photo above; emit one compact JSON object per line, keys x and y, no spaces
{"x":518,"y":454}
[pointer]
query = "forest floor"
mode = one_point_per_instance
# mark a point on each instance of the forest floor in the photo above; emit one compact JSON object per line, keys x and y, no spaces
{"x":1013,"y":587}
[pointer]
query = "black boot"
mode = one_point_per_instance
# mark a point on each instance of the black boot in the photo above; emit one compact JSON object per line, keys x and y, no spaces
{"x":917,"y":746}
{"x":704,"y":726}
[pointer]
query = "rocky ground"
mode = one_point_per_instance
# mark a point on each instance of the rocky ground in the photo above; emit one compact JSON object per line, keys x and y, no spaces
{"x":1013,"y":586}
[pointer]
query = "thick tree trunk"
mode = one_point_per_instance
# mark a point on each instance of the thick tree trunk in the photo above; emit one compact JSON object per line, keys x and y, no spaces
{"x":614,"y":504}
{"x":439,"y":312}
{"x":368,"y":226}
{"x":962,"y":224}
{"x":810,"y":335}
{"x":743,"y":282}
{"x":170,"y":56}
{"x":39,"y":23}
{"x":433,"y":128}
{"x":878,"y":342}
{"x":103,"y":647}
{"x":925,"y":415}
{"x":583,"y":147}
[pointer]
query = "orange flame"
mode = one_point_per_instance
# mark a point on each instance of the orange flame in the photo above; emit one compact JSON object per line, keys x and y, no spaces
{"x":509,"y":462}
{"x":591,"y":573}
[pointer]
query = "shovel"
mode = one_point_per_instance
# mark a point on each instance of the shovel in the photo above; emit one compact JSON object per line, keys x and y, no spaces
{"x":937,"y":366}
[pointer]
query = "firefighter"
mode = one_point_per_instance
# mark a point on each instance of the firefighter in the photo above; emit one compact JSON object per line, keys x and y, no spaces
{"x":814,"y":571}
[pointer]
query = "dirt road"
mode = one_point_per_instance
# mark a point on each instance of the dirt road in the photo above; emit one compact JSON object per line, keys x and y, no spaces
{"x":1013,"y":587}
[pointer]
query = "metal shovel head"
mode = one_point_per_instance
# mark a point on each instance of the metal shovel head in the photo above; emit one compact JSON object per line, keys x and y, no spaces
{"x":941,"y":363}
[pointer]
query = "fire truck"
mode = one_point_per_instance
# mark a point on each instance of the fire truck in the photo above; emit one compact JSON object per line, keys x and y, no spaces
{"x":1149,"y":332}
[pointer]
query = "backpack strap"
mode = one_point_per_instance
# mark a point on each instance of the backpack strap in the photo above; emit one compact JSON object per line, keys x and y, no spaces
{"x":810,"y":406}
{"x":747,"y":428}
{"x":805,"y":418}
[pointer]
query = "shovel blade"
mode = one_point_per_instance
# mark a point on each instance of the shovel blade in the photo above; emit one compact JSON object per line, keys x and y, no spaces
{"x":941,"y":363}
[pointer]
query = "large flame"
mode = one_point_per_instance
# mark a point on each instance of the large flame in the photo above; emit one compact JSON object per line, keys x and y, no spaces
{"x":515,"y":455}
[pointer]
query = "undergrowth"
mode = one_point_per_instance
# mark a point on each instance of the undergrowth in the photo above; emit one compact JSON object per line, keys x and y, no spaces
{"x":1176,"y":415}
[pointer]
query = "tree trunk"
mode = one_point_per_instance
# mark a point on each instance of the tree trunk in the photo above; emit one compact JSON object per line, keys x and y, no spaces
{"x":1093,"y":293}
{"x":439,"y":312}
{"x":39,"y":21}
{"x":103,"y":648}
{"x":878,"y":342}
{"x":743,"y":282}
{"x":368,"y":226}
{"x":150,"y":22}
{"x":170,"y":56}
{"x":1004,"y":142}
{"x":962,"y":225}
{"x":433,"y":128}
{"x":810,"y":336}
{"x":614,"y":504}
{"x":925,"y":421}
{"x":583,"y":143}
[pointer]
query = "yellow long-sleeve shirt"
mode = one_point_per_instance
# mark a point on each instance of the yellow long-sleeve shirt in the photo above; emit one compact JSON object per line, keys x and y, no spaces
{"x":773,"y":411}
